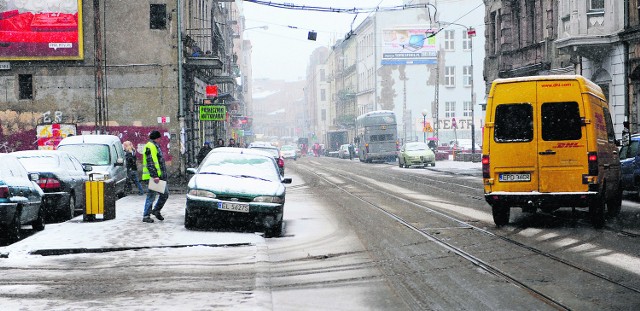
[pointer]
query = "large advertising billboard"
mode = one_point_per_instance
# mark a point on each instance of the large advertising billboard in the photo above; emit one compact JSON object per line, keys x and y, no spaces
{"x":408,"y":46}
{"x":41,"y":30}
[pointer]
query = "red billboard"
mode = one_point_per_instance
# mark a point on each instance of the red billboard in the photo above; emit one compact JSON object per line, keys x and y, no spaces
{"x":41,"y":30}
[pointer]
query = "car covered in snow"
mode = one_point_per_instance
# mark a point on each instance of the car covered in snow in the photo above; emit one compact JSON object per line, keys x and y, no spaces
{"x":20,"y":198}
{"x":240,"y":187}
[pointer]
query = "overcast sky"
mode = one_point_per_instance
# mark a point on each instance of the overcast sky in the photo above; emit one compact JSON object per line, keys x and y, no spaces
{"x":282,"y":51}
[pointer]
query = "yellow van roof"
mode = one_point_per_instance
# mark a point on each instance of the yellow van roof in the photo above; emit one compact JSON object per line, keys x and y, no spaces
{"x":586,"y":85}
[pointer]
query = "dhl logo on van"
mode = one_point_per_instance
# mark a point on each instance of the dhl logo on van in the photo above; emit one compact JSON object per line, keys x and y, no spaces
{"x":568,"y":145}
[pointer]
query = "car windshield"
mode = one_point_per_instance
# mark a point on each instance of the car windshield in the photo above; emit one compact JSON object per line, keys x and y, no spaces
{"x":287,"y":148}
{"x":416,"y":147}
{"x":630,"y":151}
{"x":89,"y":153}
{"x":245,"y":165}
{"x":39,"y":162}
{"x":273,"y":151}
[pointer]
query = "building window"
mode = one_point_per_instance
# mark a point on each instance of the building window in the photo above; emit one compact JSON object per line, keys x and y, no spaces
{"x":323,"y":95}
{"x":597,"y":5}
{"x":324,"y":115}
{"x":158,"y":16}
{"x":450,"y":109}
{"x":466,"y":75}
{"x":466,"y":41}
{"x":449,"y":43}
{"x":466,"y":109}
{"x":449,"y":76}
{"x":322,"y":75}
{"x":25,"y":84}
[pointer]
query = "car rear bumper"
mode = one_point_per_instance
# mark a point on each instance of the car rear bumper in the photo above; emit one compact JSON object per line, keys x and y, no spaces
{"x":532,"y":199}
{"x":55,"y":201}
{"x":7,"y":211}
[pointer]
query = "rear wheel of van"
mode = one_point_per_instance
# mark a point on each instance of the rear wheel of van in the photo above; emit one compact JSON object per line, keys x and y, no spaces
{"x":597,"y":211}
{"x":615,"y":204}
{"x":501,"y":214}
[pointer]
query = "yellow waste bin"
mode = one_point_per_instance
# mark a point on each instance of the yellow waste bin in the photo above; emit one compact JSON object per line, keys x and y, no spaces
{"x":100,"y":198}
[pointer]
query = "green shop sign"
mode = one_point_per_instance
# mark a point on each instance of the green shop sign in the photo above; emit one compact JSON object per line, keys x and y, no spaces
{"x":212,"y":113}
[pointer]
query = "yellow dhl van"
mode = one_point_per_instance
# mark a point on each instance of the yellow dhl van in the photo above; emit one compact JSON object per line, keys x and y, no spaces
{"x":548,"y":143}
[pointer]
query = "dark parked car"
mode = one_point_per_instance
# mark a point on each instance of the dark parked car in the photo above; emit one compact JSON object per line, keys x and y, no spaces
{"x":630,"y":165}
{"x":272,"y":150}
{"x":20,"y":198}
{"x":240,"y":187}
{"x":62,"y":179}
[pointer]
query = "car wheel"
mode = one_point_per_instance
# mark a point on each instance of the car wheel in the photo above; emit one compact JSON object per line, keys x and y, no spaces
{"x":275,"y":231}
{"x":399,"y":163}
{"x":433,"y":164}
{"x":189,"y":220}
{"x":38,"y":224}
{"x":597,"y":211}
{"x":70,"y":211}
{"x":501,"y":214}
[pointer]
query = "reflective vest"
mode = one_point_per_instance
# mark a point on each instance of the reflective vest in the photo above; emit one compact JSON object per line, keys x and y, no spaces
{"x":154,"y":155}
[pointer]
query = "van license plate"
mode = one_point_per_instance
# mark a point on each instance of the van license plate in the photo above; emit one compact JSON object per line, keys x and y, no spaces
{"x":515,"y":177}
{"x":233,"y":207}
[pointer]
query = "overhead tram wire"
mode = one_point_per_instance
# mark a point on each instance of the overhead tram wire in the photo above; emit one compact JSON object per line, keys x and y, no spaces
{"x":355,"y":10}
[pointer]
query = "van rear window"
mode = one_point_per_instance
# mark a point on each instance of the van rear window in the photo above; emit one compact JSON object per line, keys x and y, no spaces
{"x":561,"y":121}
{"x":513,"y":123}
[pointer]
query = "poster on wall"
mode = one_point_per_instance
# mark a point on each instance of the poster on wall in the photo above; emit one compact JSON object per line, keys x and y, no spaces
{"x":407,"y":46}
{"x":41,"y":30}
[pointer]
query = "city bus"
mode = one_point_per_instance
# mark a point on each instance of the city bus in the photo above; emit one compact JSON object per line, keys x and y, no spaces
{"x":377,"y":136}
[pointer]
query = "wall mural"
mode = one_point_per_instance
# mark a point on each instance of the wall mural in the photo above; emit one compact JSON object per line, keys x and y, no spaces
{"x":28,"y":131}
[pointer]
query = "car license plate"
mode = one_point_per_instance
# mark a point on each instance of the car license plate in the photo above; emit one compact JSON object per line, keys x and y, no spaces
{"x":515,"y":177}
{"x":233,"y":207}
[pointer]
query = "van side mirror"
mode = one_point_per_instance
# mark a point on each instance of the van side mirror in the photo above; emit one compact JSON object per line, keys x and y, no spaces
{"x":87,"y":167}
{"x":119,"y":162}
{"x":191,"y":170}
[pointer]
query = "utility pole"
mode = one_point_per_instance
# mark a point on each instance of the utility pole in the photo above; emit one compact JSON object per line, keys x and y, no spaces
{"x":101,"y":114}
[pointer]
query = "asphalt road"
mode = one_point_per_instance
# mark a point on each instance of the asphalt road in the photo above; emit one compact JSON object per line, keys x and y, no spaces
{"x":357,"y":237}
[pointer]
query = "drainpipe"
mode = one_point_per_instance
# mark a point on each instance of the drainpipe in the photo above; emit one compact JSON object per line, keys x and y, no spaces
{"x":180,"y":99}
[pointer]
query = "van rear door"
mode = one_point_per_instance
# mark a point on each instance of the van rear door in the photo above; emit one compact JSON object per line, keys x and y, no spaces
{"x":562,"y":143}
{"x":513,"y":146}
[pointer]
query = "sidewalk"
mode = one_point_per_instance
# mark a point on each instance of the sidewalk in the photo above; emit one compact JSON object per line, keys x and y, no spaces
{"x":458,"y":167}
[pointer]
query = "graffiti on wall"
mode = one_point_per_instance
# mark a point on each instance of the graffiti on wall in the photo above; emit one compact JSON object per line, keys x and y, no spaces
{"x":18,"y":131}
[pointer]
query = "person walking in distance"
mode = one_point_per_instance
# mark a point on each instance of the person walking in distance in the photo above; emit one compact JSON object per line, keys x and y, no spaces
{"x":132,"y":167}
{"x":203,"y":152}
{"x":154,"y":167}
{"x":220,"y":143}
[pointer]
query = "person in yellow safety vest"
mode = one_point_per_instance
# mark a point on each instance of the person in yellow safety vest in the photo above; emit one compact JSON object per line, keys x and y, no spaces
{"x":153,"y":167}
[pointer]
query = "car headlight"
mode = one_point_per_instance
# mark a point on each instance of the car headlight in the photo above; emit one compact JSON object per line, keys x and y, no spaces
{"x":202,"y":193}
{"x":268,"y":199}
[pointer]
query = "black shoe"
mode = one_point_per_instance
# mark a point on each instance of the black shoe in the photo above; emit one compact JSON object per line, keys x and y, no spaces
{"x":157,"y":214}
{"x":147,"y":219}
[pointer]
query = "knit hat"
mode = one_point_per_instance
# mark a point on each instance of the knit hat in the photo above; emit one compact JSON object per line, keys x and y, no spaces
{"x":154,"y":135}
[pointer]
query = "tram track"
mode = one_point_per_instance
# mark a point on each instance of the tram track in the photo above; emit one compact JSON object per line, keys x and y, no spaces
{"x":321,"y":172}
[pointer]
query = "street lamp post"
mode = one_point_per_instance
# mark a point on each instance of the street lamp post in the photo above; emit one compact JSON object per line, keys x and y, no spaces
{"x":471,"y":32}
{"x":424,"y":126}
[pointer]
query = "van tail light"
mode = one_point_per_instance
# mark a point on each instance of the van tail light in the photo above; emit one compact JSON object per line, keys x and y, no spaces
{"x":485,"y":166}
{"x":593,"y":163}
{"x":4,"y":192}
{"x":280,"y":162}
{"x":49,"y":183}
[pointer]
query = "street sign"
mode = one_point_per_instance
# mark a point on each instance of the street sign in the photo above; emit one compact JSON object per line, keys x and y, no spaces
{"x":164,"y":119}
{"x":211,"y":90}
{"x":213,"y":113}
{"x":471,"y":32}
